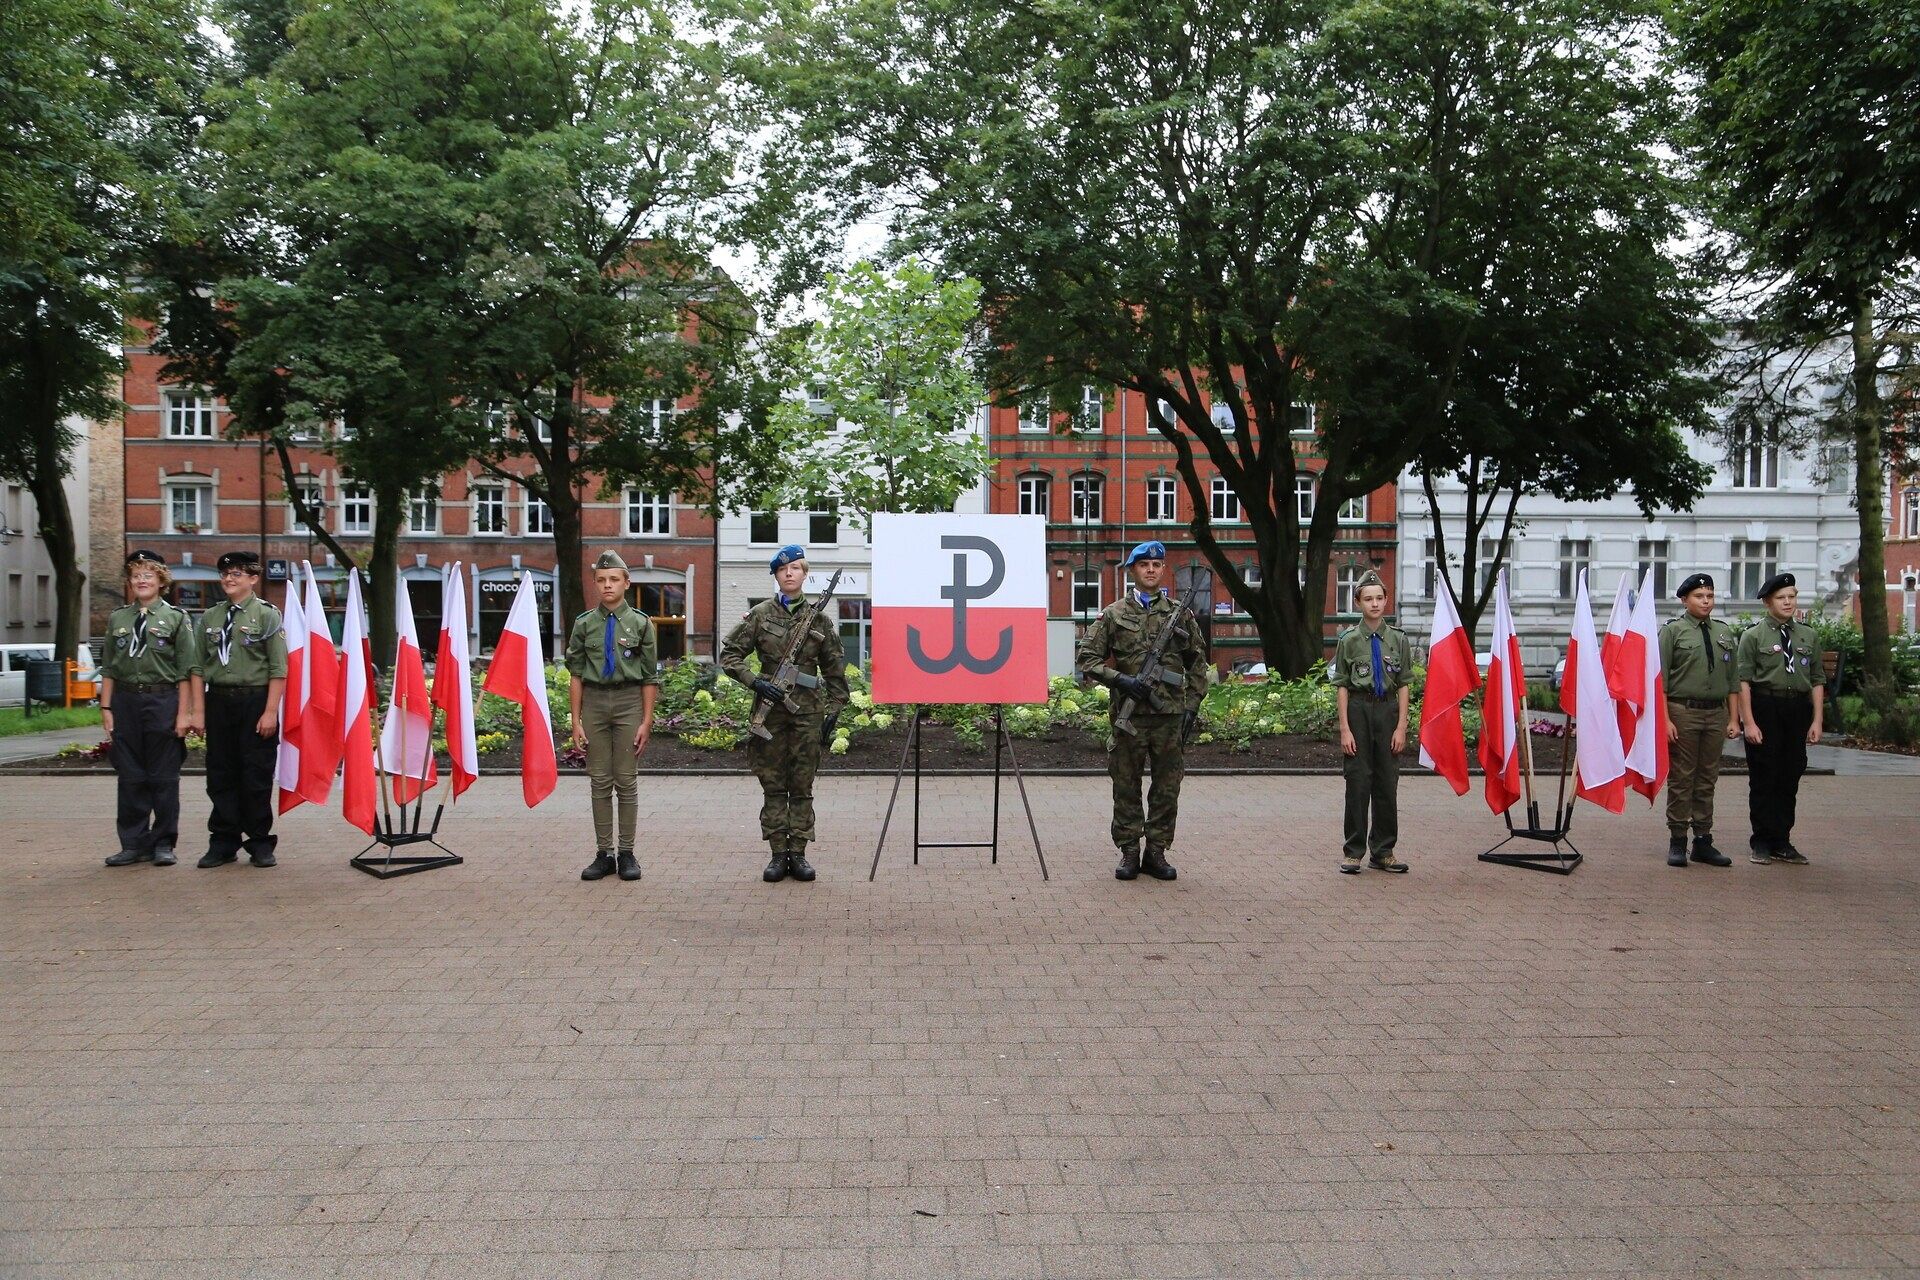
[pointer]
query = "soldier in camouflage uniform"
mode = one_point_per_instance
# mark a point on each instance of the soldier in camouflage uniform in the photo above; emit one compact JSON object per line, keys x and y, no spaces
{"x":1112,"y":652}
{"x":1372,"y":665}
{"x":613,"y":661}
{"x":785,"y":763}
{"x":146,"y":707}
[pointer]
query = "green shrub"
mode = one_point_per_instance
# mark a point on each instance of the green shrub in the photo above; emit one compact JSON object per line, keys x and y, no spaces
{"x":1883,"y":715}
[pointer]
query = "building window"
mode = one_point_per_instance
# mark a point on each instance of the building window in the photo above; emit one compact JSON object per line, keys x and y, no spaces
{"x":1753,"y":563}
{"x":649,"y":515}
{"x":666,"y":604}
{"x":1346,"y":585}
{"x":309,"y":491}
{"x":1036,"y":412}
{"x":1086,"y":592}
{"x":344,"y":430}
{"x":1162,"y":500}
{"x":1576,"y":557}
{"x":1490,"y":551}
{"x":1913,"y":511}
{"x":489,"y":508}
{"x":823,"y":521}
{"x":537,"y":515}
{"x":817,"y":401}
{"x":189,"y":415}
{"x":1089,"y":493}
{"x":43,"y":598}
{"x":1303,"y":498}
{"x":1354,"y":510}
{"x":1300,"y":419}
{"x":1035,"y":495}
{"x":763,"y":527}
{"x":356,"y":509}
{"x":1429,"y":568}
{"x":1092,"y":411}
{"x":856,"y":631}
{"x":190,"y":506}
{"x":16,"y":610}
{"x":1756,"y":456}
{"x":497,"y":420}
{"x":1652,"y":554}
{"x":1225,"y":502}
{"x":655,"y":417}
{"x":423,"y":509}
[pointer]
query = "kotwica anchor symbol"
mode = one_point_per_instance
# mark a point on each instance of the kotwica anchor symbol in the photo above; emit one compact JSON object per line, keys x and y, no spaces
{"x":961,"y":591}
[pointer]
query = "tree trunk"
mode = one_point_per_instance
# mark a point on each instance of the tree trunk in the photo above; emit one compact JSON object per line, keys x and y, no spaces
{"x":389,"y":512}
{"x":1870,"y":496}
{"x":50,"y":499}
{"x":570,"y":597}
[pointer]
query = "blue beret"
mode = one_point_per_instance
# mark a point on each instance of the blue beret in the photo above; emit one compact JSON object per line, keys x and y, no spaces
{"x":1145,"y":551}
{"x":786,"y":555}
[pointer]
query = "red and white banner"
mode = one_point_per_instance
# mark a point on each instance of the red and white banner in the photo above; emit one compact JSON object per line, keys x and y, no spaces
{"x":293,"y":625}
{"x":518,"y":674}
{"x":1452,"y":674}
{"x":360,"y":788}
{"x":320,"y":706}
{"x":959,"y":608}
{"x":1647,"y":755}
{"x":453,"y":681}
{"x":1500,"y":708}
{"x":406,"y":736}
{"x":1600,"y":774}
{"x":1623,"y":655}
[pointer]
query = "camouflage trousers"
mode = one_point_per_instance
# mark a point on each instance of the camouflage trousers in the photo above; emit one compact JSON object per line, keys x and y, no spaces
{"x":1155,"y":740}
{"x":1694,"y":766}
{"x":785,"y":765}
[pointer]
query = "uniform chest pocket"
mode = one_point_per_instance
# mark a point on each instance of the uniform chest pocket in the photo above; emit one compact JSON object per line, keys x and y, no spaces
{"x":630,"y":641}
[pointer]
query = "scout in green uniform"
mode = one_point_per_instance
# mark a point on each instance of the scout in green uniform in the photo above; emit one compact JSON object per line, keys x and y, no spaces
{"x":785,"y":763}
{"x":239,"y":675}
{"x":613,"y":657}
{"x":1697,"y":672}
{"x":1372,"y":665}
{"x":1112,"y":652}
{"x":146,"y":707}
{"x":1781,"y":703}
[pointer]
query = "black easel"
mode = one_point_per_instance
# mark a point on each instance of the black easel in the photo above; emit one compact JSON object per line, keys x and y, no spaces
{"x":1002,"y":741}
{"x":396,"y":835}
{"x":1554,"y":859}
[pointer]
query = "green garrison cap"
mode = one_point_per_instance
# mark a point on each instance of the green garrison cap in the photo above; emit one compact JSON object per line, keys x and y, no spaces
{"x":610,"y":560}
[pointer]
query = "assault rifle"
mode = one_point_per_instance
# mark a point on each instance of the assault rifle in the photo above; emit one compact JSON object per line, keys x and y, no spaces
{"x":1154,"y":670}
{"x":788,"y":675}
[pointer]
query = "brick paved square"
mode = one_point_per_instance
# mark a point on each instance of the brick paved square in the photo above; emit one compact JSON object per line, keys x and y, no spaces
{"x":1263,"y":1069}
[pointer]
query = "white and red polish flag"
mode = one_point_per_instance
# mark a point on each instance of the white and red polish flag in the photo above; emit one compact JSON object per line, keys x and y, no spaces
{"x":1647,"y":756}
{"x":320,"y":710}
{"x":452,"y":680}
{"x":1600,"y":771}
{"x":518,"y":674}
{"x":406,"y":736}
{"x":360,"y":787}
{"x":1624,"y":658}
{"x":1452,"y":674}
{"x":959,"y":608}
{"x":1500,"y":708}
{"x":293,"y":625}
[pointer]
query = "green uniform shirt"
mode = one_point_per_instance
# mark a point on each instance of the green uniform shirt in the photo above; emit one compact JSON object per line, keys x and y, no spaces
{"x":1353,"y":659}
{"x":1697,"y":666}
{"x":636,"y":647}
{"x":1780,"y":666}
{"x":1118,"y":642}
{"x":164,"y":652}
{"x":765,"y":630}
{"x":254,"y":652}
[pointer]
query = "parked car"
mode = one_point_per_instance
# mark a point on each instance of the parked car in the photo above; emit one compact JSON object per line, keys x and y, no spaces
{"x":1246,"y":669}
{"x":13,"y":669}
{"x":1559,"y":673}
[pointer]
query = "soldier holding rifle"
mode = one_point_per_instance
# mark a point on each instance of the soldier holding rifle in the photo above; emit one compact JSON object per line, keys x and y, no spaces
{"x":1148,"y":650}
{"x":799,"y":690}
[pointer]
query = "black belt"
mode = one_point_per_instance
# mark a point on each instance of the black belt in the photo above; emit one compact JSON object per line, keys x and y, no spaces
{"x":1371,"y":696}
{"x":1781,"y":695}
{"x":236,"y":689}
{"x":1702,"y":704}
{"x":614,"y":684}
{"x":127,"y":686}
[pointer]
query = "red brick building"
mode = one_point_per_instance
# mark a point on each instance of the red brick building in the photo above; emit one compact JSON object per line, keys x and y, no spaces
{"x":1903,"y":552}
{"x":190,"y":494}
{"x":1104,"y":490}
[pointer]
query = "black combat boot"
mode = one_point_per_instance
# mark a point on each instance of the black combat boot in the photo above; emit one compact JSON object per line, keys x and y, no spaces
{"x":629,"y":865}
{"x":163,"y":857}
{"x":1129,"y":868}
{"x":600,"y":868}
{"x":1676,"y":851}
{"x":127,"y":857}
{"x":1703,"y":851}
{"x":1156,"y":865}
{"x":776,"y":868}
{"x":797,"y":865}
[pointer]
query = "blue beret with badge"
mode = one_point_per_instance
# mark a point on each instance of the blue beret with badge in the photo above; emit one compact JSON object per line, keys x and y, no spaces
{"x":1145,"y":551}
{"x":786,"y":556}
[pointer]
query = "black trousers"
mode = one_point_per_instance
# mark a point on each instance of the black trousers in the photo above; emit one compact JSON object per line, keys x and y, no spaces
{"x":147,"y":756}
{"x":1774,"y":766}
{"x":240,"y":771}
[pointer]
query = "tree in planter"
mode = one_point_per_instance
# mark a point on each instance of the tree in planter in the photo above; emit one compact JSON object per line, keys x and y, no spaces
{"x":94,"y":108}
{"x":1238,"y":213}
{"x":1805,"y":131}
{"x":889,"y":363}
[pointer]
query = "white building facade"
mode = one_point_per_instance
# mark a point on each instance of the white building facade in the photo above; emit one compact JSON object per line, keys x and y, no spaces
{"x":1767,"y":509}
{"x":28,"y":601}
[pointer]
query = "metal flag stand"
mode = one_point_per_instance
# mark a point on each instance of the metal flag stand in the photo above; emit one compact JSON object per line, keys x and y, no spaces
{"x":1002,"y":741}
{"x":391,"y":835}
{"x":1560,"y":861}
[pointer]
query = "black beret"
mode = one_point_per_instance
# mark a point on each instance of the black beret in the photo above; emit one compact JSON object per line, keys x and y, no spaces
{"x":1777,"y":582}
{"x":144,"y":556}
{"x":1692,"y":583}
{"x":248,"y":560}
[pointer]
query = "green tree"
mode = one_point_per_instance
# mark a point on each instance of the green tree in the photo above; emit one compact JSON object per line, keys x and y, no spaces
{"x":891,"y":393}
{"x":1241,"y":211}
{"x":1808,"y":134}
{"x":94,"y":98}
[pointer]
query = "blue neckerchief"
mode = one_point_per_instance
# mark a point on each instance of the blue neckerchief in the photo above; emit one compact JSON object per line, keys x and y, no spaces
{"x":1146,"y":600}
{"x":781,"y":598}
{"x":606,"y":644}
{"x":1379,"y":674}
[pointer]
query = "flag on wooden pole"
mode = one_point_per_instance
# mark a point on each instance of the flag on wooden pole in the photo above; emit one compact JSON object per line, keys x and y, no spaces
{"x":518,"y":674}
{"x":406,"y":737}
{"x":293,"y":625}
{"x":1452,"y":674}
{"x":1600,"y":770}
{"x":1506,"y":686}
{"x":320,"y":713}
{"x":452,"y":679}
{"x":360,"y":787}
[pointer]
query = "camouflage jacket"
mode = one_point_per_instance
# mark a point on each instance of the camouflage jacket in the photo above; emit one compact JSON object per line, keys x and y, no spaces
{"x":1120,"y":639}
{"x":765,"y":630}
